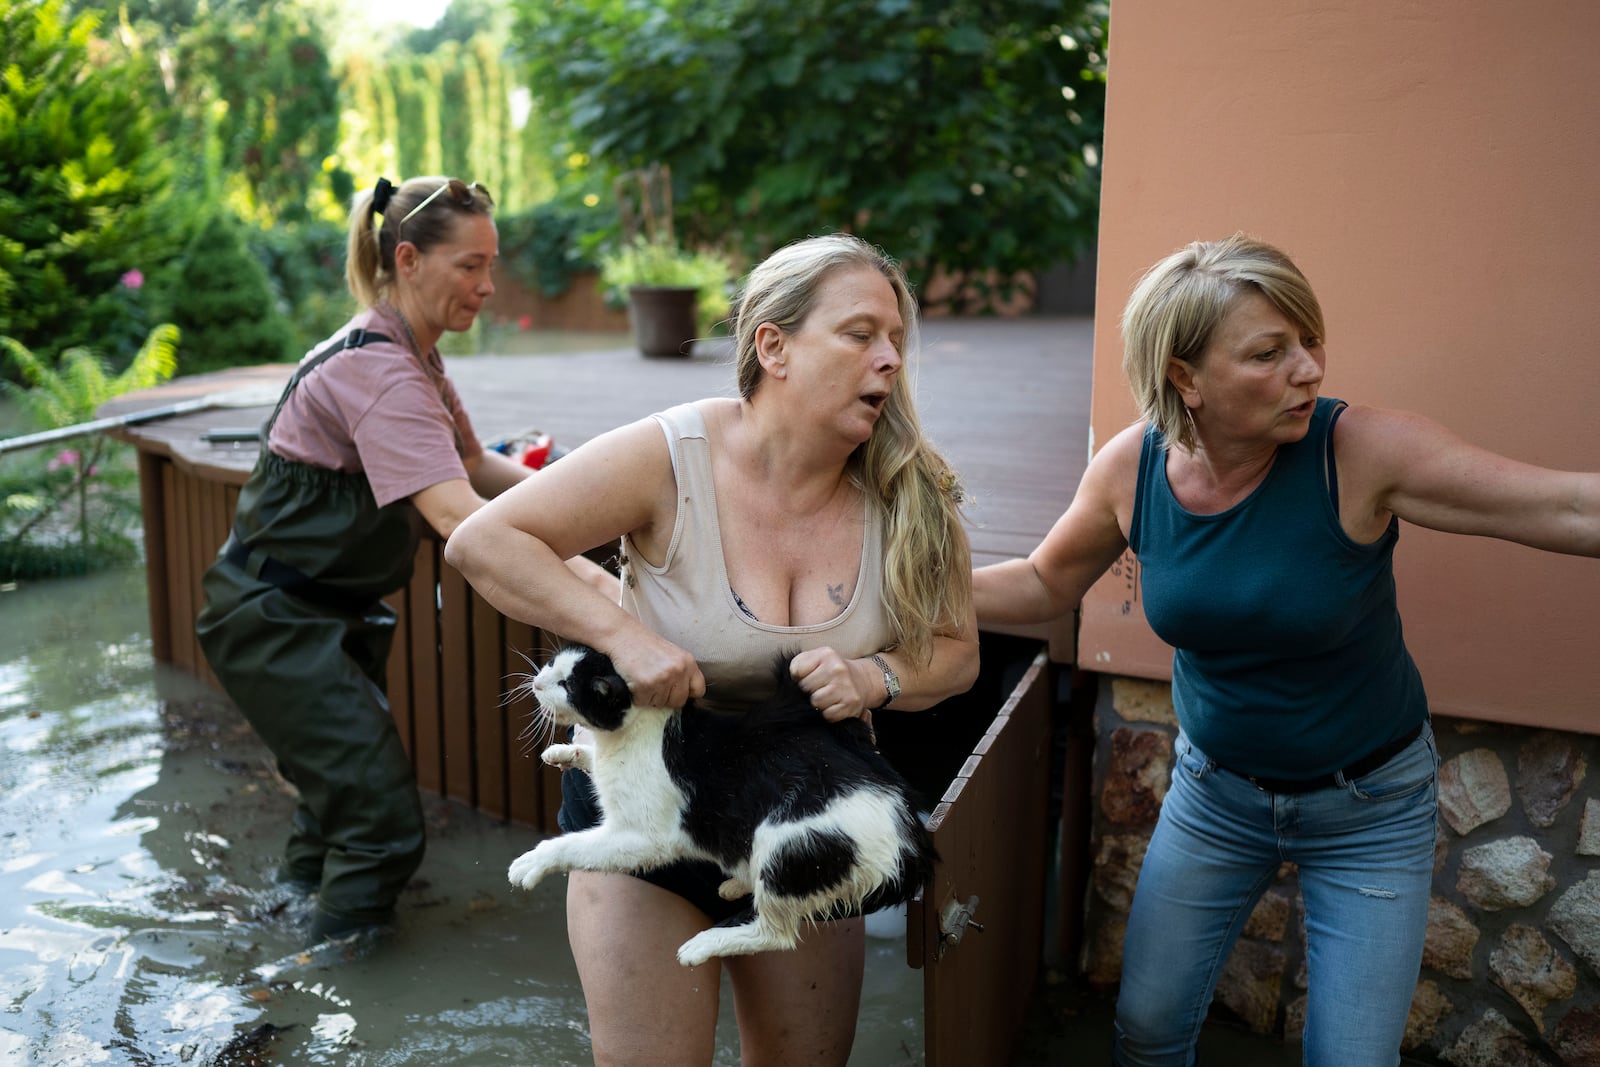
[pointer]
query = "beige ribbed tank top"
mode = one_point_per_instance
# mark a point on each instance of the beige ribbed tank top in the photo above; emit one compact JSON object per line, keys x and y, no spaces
{"x":689,"y":601}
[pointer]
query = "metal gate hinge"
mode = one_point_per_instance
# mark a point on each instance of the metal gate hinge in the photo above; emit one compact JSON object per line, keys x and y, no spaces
{"x":955,"y":919}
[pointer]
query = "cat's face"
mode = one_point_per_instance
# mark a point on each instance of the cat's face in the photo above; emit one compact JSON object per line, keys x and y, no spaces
{"x":579,"y":686}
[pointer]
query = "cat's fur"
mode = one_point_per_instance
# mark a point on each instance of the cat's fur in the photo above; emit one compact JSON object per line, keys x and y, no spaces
{"x":803,"y":814}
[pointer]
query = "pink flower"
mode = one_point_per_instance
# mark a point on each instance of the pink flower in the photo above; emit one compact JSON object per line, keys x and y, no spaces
{"x":133,"y":279}
{"x":66,"y":458}
{"x":525,"y":322}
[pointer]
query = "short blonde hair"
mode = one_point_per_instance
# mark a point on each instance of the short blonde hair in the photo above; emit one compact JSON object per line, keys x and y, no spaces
{"x":1178,"y":304}
{"x":927,"y":563}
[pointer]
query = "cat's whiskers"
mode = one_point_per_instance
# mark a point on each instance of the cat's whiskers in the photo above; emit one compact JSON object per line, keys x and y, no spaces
{"x":541,"y":727}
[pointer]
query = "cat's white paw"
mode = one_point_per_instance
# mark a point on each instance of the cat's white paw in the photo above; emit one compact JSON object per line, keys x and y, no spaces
{"x":529,"y":869}
{"x":697,"y":950}
{"x":569,"y":757}
{"x":733,"y":941}
{"x":733,"y":889}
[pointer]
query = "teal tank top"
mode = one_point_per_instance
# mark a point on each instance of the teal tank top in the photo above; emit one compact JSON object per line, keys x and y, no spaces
{"x":1289,"y":660}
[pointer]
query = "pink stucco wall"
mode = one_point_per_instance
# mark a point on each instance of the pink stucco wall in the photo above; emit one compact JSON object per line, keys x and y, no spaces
{"x":1435,"y":170}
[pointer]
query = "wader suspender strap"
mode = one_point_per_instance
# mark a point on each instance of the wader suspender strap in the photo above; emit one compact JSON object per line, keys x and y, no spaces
{"x":353,"y":339}
{"x":258,"y":564}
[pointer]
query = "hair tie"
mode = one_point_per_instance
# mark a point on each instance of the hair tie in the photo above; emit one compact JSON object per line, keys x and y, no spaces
{"x":381,"y":195}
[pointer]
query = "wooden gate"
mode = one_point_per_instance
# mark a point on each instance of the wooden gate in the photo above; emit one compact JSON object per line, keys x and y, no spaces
{"x":977,"y":933}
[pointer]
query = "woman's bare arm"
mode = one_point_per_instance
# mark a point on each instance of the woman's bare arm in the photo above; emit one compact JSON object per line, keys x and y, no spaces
{"x":1084,"y":541}
{"x":512,"y":551}
{"x":1408,"y":465}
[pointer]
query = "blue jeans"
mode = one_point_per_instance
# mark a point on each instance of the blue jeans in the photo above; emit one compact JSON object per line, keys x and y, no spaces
{"x":1365,"y":856}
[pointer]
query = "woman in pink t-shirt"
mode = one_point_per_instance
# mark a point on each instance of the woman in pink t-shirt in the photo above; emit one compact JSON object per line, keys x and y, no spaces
{"x":369,"y":433}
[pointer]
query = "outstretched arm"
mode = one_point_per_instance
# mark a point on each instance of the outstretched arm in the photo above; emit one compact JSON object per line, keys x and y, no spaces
{"x":446,"y":505}
{"x":1395,"y":462}
{"x":1084,"y":541}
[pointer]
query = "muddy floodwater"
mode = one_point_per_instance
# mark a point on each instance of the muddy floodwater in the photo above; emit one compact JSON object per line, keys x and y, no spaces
{"x":140,"y":825}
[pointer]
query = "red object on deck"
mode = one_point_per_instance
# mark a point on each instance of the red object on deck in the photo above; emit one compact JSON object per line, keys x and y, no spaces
{"x":537,"y":451}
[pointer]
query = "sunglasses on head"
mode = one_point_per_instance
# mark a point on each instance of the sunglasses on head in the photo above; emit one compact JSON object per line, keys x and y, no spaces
{"x":462,"y":193}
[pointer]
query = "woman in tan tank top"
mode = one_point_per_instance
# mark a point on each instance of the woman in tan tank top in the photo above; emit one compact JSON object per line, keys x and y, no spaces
{"x":810,"y":513}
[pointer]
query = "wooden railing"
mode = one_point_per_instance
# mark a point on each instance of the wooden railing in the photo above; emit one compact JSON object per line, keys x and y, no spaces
{"x":454,"y":662}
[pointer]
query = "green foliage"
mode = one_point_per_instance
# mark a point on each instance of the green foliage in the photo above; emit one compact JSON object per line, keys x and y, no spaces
{"x":962,"y":135}
{"x":644,"y":262}
{"x":543,"y":247}
{"x":224,"y":303}
{"x":540,"y":249}
{"x":263,"y":87}
{"x":74,"y":390}
{"x":304,"y":263}
{"x":661,"y":262}
{"x":462,"y":21}
{"x":74,"y":511}
{"x":83,"y":183}
{"x":455,"y":110}
{"x":417,"y":88}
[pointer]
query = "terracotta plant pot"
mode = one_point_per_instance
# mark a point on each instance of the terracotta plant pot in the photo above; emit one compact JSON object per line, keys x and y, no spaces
{"x":663,"y":318}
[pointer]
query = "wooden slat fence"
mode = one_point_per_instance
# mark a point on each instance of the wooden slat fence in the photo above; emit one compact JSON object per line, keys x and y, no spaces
{"x":455,"y":658}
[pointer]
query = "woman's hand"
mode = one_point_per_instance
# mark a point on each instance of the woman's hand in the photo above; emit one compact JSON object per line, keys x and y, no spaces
{"x":839,"y":688}
{"x":659,"y":673}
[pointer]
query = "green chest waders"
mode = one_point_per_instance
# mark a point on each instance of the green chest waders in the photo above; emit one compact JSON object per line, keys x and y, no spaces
{"x":294,"y":628}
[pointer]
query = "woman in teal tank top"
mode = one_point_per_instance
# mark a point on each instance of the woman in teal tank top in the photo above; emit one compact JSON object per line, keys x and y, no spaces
{"x":1265,"y":517}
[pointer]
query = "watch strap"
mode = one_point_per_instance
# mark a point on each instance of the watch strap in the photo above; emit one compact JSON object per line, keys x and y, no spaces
{"x":891,"y":681}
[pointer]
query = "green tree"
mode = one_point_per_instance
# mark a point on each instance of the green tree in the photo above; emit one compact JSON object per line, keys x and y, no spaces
{"x":462,"y":21}
{"x":227,"y":310}
{"x":416,"y":85}
{"x":84,"y":183}
{"x":263,"y":86}
{"x":457,"y":110}
{"x":367,"y":131}
{"x":962,"y":135}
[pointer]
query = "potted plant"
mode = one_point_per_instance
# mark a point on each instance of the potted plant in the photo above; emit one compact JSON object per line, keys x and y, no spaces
{"x":673,"y":293}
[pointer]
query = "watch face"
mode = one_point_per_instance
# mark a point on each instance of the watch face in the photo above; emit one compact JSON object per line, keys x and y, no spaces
{"x":891,"y":681}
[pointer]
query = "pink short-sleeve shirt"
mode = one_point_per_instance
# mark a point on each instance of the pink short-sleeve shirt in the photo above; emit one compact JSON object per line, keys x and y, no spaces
{"x":380,"y":410}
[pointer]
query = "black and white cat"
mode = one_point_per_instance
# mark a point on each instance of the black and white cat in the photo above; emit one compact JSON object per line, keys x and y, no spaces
{"x":802,"y":814}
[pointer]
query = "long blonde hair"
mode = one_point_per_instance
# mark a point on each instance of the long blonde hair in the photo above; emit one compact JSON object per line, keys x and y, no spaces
{"x":927,"y":590}
{"x":1180,"y":301}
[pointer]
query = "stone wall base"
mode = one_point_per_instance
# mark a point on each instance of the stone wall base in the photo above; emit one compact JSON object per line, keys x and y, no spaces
{"x":1511,"y":970}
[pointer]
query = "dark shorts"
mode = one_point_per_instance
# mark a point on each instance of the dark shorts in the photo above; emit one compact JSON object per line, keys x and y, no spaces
{"x":694,"y":880}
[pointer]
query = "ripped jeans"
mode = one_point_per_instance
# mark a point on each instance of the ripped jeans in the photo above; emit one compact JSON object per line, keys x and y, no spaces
{"x":1365,"y":856}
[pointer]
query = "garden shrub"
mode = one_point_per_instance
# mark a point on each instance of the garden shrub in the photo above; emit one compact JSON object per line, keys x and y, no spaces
{"x":73,"y":507}
{"x":83,"y":184}
{"x":305,"y":264}
{"x":224,"y":304}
